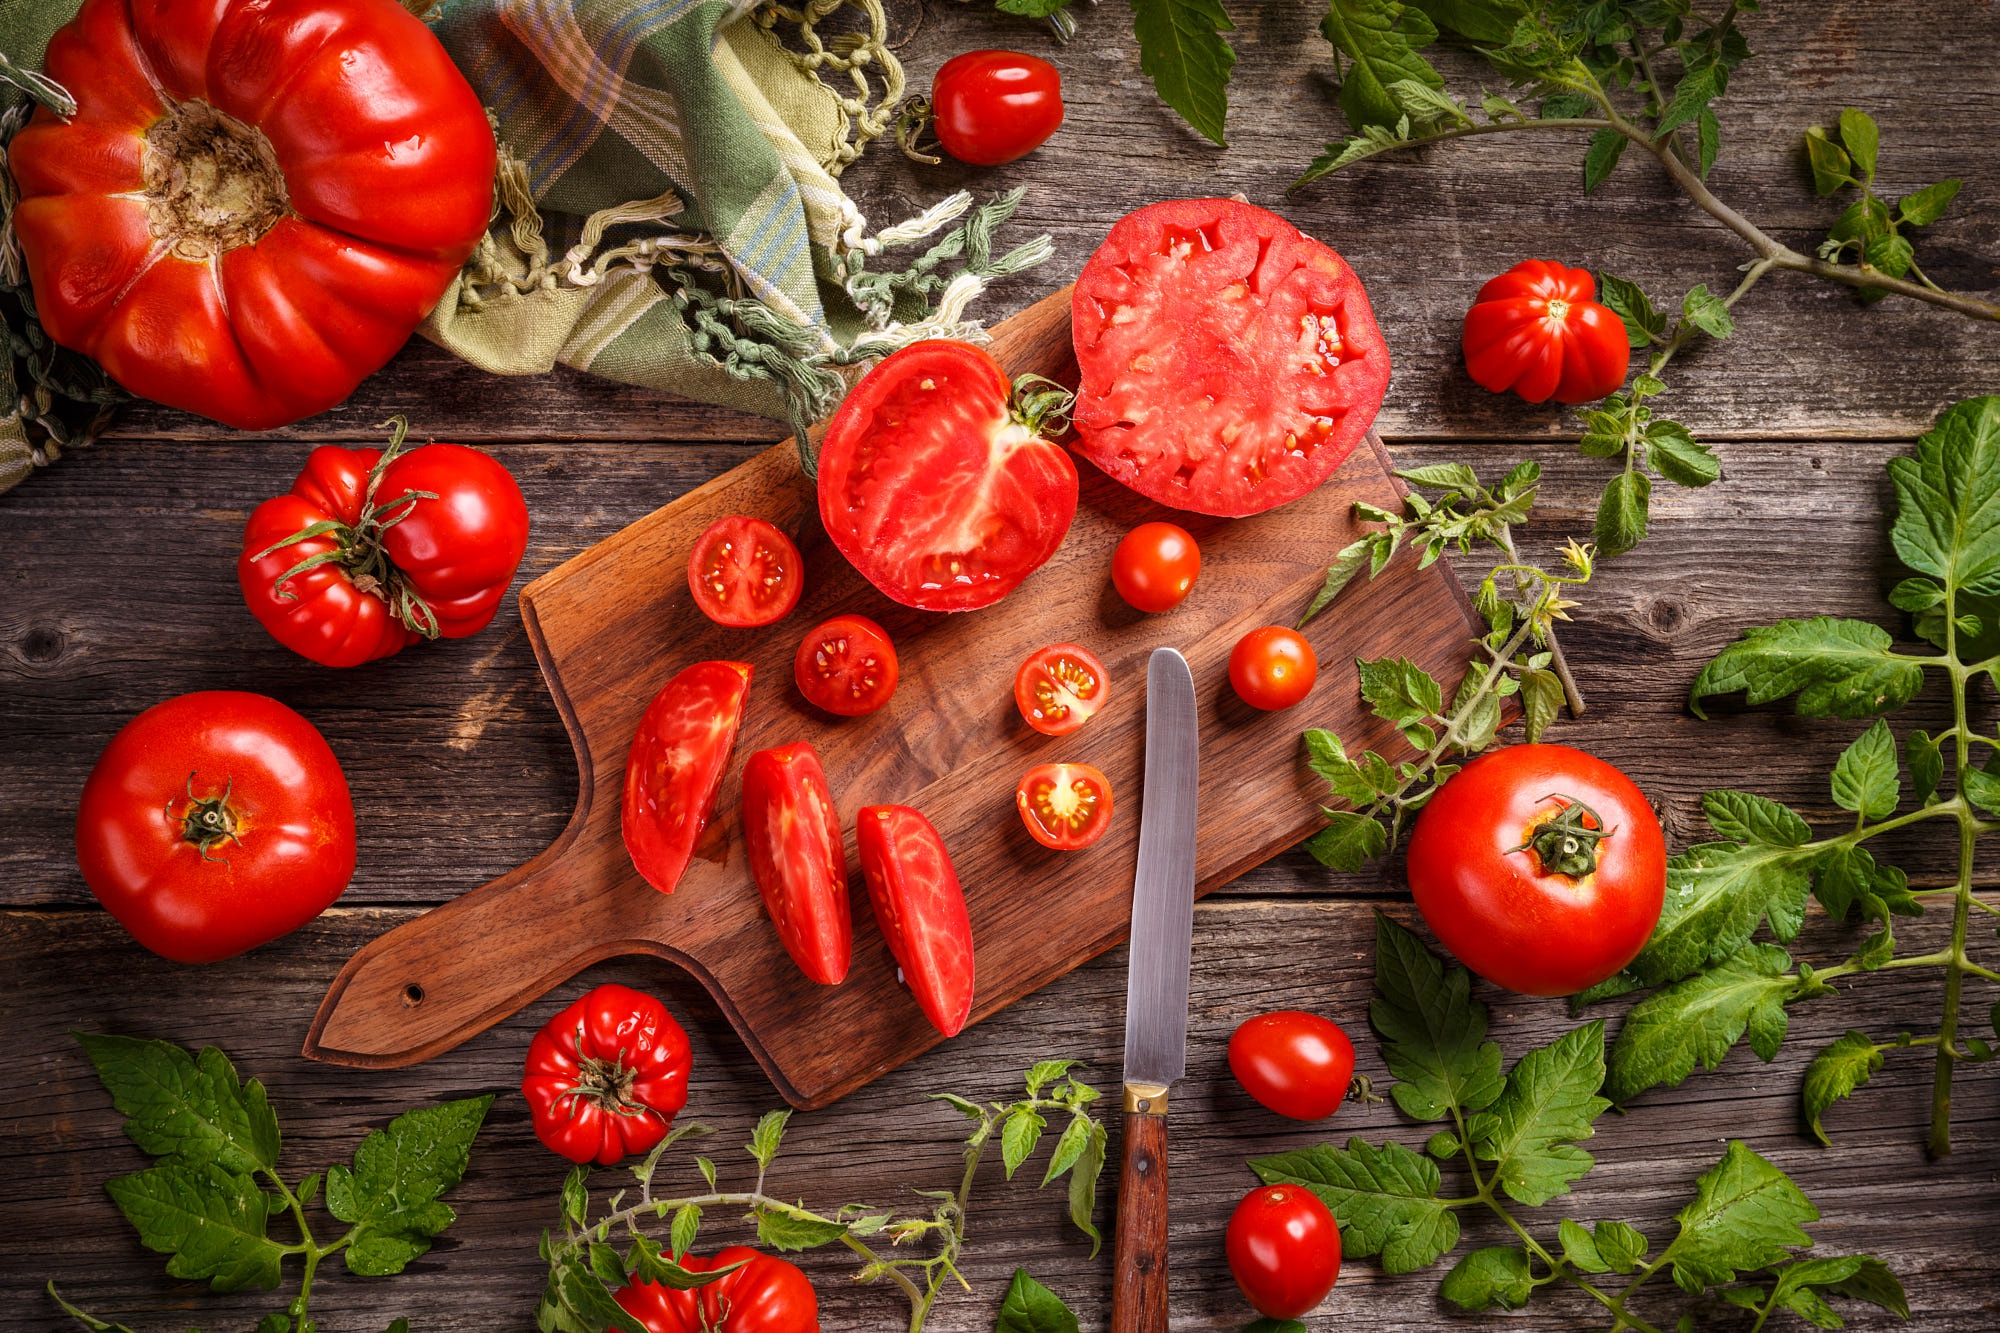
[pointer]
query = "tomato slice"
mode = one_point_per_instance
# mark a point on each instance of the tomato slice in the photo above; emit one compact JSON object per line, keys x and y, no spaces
{"x":846,"y":666}
{"x":1065,"y":806}
{"x":920,"y":908}
{"x":676,"y":764}
{"x":1060,"y":688}
{"x":931,"y":488}
{"x":1229,"y":363}
{"x":793,"y":836}
{"x":744,"y":572}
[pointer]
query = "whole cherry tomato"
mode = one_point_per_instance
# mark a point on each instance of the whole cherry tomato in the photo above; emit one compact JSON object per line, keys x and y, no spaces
{"x":1537,"y":329}
{"x":744,"y":572}
{"x":606,"y":1076}
{"x":215,"y":822}
{"x":1154,"y":566}
{"x":1065,"y":806}
{"x":1542,"y":868}
{"x":1297,"y":1064}
{"x":1272,"y":667}
{"x":1060,"y":688}
{"x":766,"y":1295}
{"x":920,"y":908}
{"x":994,"y":106}
{"x":846,"y":666}
{"x":675,"y":766}
{"x":792,"y":832}
{"x":1284,"y":1250}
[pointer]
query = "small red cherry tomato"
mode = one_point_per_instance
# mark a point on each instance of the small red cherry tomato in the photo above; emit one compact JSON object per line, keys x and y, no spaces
{"x":994,"y":106}
{"x":920,"y":908}
{"x":1065,"y":806}
{"x":1537,"y":329}
{"x":1284,"y":1250}
{"x":792,"y":833}
{"x":1297,"y":1064}
{"x":744,"y":572}
{"x":606,"y":1076}
{"x":1060,"y":688}
{"x":1154,"y":566}
{"x":846,"y":666}
{"x":675,"y":766}
{"x":765,"y":1295}
{"x":1272,"y":667}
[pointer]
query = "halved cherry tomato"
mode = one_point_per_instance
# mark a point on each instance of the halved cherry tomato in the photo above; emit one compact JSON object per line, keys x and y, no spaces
{"x":846,"y":666}
{"x":676,"y":764}
{"x":920,"y":908}
{"x":1272,"y":667}
{"x":1538,"y":329}
{"x":1060,"y":688}
{"x":1284,"y":1250}
{"x":1065,"y":806}
{"x":744,"y":572}
{"x":1297,"y":1064}
{"x":765,"y":1295}
{"x":994,"y":106}
{"x":1154,"y":566}
{"x":793,"y":836}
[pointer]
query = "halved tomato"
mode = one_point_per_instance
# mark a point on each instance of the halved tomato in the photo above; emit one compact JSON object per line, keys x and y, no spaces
{"x":846,"y":666}
{"x":1060,"y":688}
{"x":1065,"y":806}
{"x":935,"y":488}
{"x":793,"y":836}
{"x":1229,"y":363}
{"x":920,"y":908}
{"x":676,"y":766}
{"x":744,"y":572}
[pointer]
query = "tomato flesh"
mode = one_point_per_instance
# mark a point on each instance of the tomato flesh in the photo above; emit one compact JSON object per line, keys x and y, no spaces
{"x":1272,"y":668}
{"x":676,"y":764}
{"x":1297,"y":1064}
{"x":793,"y":836}
{"x":991,"y":107}
{"x":1538,"y":329}
{"x":1060,"y":688}
{"x":920,"y":908}
{"x":1065,"y":806}
{"x":744,"y":572}
{"x":1284,"y":1250}
{"x":606,"y":1076}
{"x":846,"y":666}
{"x":1154,"y":566}
{"x":765,"y":1295}
{"x":1229,"y":363}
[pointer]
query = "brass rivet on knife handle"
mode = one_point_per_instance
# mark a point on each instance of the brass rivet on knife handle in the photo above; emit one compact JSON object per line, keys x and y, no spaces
{"x":1139,"y":1252}
{"x":1145,"y":1099}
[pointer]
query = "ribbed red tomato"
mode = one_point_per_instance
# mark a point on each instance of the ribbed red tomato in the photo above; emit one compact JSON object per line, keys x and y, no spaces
{"x":675,"y":766}
{"x":1066,"y":807}
{"x":1060,"y":688}
{"x":606,"y":1076}
{"x":1284,"y":1250}
{"x":765,"y":1295}
{"x":743,"y":572}
{"x":991,"y":107}
{"x":1537,"y":329}
{"x":1297,"y":1064}
{"x":793,"y":835}
{"x":846,"y":666}
{"x":920,"y":908}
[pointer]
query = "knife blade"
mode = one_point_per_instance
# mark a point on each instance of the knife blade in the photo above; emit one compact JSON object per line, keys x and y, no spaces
{"x":1156,"y":991}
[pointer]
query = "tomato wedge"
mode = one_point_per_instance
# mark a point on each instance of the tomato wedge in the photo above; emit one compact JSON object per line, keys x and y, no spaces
{"x":793,"y":835}
{"x":744,"y":572}
{"x":846,"y":666}
{"x":934,"y":488}
{"x":676,"y":764}
{"x":1065,"y":806}
{"x":1229,"y":363}
{"x":1060,"y":688}
{"x":920,"y":908}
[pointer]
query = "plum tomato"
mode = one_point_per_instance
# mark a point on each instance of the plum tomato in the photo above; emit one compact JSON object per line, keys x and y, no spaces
{"x":990,"y":107}
{"x":1537,"y":329}
{"x":675,"y":766}
{"x":765,"y":1295}
{"x":792,"y":832}
{"x":920,"y":908}
{"x":1297,"y":1064}
{"x":1065,"y":806}
{"x":1060,"y":688}
{"x":743,"y":572}
{"x":846,"y":666}
{"x":1284,"y":1250}
{"x":606,"y":1076}
{"x":1154,"y":566}
{"x":1542,"y":868}
{"x":1272,"y":667}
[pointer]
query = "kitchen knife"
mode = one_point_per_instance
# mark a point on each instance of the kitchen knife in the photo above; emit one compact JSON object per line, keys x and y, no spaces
{"x":1156,"y":992}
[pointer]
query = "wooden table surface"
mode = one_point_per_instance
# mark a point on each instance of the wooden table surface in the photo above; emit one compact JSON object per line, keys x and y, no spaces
{"x":117,"y":591}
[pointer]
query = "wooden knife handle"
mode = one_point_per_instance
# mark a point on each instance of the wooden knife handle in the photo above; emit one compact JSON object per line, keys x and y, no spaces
{"x":1139,"y":1282}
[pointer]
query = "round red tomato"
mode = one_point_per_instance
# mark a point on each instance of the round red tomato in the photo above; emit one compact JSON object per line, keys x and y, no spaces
{"x":1284,"y":1250}
{"x":920,"y":909}
{"x":991,"y":107}
{"x":934,"y":488}
{"x":1541,"y":867}
{"x":1060,"y":688}
{"x":1065,"y":806}
{"x":765,"y":1295}
{"x":1229,"y":364}
{"x":215,"y":822}
{"x":1537,"y":329}
{"x":1297,"y":1064}
{"x":1154,"y":566}
{"x":254,"y":203}
{"x":675,"y":766}
{"x":744,"y":572}
{"x":606,"y":1076}
{"x":846,"y":666}
{"x":792,"y":832}
{"x":1272,"y":667}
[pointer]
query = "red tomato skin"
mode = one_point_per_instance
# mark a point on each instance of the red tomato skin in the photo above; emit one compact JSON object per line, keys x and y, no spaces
{"x":846,"y":666}
{"x":1513,"y":340}
{"x":676,"y":765}
{"x":1272,"y":668}
{"x":295,"y":848}
{"x":920,"y":908}
{"x":1284,"y":1250}
{"x":766,"y":1295}
{"x":991,"y":107}
{"x":1294,"y":1063}
{"x":1060,"y":688}
{"x":626,"y":1032}
{"x":1072,"y":835}
{"x":743,"y":542}
{"x":792,"y":832}
{"x":1154,"y":567}
{"x":1531,"y":931}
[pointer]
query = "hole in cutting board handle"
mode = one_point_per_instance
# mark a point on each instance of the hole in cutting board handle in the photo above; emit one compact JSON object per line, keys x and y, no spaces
{"x":413,"y":995}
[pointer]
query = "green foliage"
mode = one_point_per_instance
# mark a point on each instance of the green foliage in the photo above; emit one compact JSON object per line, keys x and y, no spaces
{"x":1182,"y":50}
{"x":1031,"y":1307}
{"x":391,"y":1195}
{"x":1870,"y":231}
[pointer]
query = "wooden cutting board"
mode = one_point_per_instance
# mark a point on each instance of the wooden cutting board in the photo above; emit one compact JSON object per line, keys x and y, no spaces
{"x":614,"y":623}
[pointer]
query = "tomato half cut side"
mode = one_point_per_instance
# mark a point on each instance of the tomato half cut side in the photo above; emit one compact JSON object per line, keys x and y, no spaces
{"x":675,"y":766}
{"x":1229,"y":363}
{"x":920,"y":908}
{"x":1065,"y":806}
{"x":793,"y":836}
{"x":846,"y":666}
{"x":744,"y":572}
{"x":1060,"y":688}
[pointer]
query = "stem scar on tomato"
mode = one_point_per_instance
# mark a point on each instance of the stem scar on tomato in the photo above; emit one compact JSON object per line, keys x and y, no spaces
{"x":605,"y":1083}
{"x":1563,"y":843}
{"x":207,"y":820}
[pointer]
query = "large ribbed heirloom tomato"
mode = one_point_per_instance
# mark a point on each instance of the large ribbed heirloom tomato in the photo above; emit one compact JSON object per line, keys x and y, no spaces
{"x":256,"y":200}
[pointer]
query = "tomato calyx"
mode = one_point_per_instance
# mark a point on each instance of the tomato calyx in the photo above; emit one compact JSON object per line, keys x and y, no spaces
{"x":1565,"y":845}
{"x":1041,"y":405}
{"x":606,"y":1084}
{"x":207,"y":820}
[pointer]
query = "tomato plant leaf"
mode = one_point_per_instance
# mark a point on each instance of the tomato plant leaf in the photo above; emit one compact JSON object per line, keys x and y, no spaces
{"x":1860,"y":137}
{"x":764,"y":1140}
{"x":1680,"y":458}
{"x":1981,"y":788}
{"x":1847,"y":1063}
{"x":1696,"y":89}
{"x":1083,"y":1179}
{"x":210,"y":1220}
{"x":1707,"y":312}
{"x":1339,"y":574}
{"x":686,"y":1226}
{"x":1623,"y":1247}
{"x":1742,"y":816}
{"x":1601,"y":158}
{"x":1030,"y":1307}
{"x":1643,"y":324}
{"x":1928,"y":204}
{"x":1549,"y":1104}
{"x":1495,"y":1278}
{"x":1829,"y":163}
{"x":1700,"y":1018}
{"x":787,"y":1229}
{"x":1385,"y":1199}
{"x":1349,"y":841}
{"x":1379,"y":39}
{"x":185,"y":1108}
{"x":391,"y":1194}
{"x":1400,"y":691}
{"x":1865,"y":778}
{"x":1871,"y":1282}
{"x":1069,"y":1148}
{"x":1433,"y":1032}
{"x":1744,"y":1214}
{"x":1926,"y":763}
{"x":1621,"y":513}
{"x":1182,"y":50}
{"x":1541,"y":702}
{"x":1580,"y":1248}
{"x":1948,"y":499}
{"x":1708,"y":140}
{"x":576,"y":1300}
{"x":1488,"y":21}
{"x":1838,"y":668}
{"x":1018,"y":1137}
